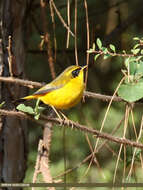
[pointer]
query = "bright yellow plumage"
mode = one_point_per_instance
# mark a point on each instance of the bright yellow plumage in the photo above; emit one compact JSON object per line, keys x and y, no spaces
{"x":65,"y":91}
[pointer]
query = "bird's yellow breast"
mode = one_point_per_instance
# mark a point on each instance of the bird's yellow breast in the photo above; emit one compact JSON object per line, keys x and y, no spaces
{"x":67,"y":96}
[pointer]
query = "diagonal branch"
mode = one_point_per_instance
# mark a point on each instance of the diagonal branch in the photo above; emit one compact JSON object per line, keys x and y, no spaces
{"x":73,"y":125}
{"x":61,"y":18}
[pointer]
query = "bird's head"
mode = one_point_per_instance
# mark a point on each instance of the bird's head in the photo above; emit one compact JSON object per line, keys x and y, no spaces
{"x":74,"y":71}
{"x":71,"y":73}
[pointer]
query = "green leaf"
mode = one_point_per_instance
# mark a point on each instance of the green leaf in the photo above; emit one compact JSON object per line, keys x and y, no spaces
{"x":136,"y":45}
{"x":140,"y":68}
{"x":93,"y":47}
{"x":112,"y":47}
{"x":133,"y":68}
{"x":131,"y":92}
{"x":1,"y":104}
{"x":96,"y":56}
{"x":139,"y":57}
{"x":135,"y":51}
{"x":37,"y":116}
{"x":142,"y":51}
{"x":99,"y":43}
{"x":106,"y":56}
{"x":105,"y":50}
{"x":138,"y":151}
{"x":135,"y":38}
{"x":89,"y":51}
{"x":124,"y":51}
{"x":27,"y":109}
{"x":133,"y":65}
{"x":38,"y":111}
{"x":127,"y":61}
{"x":136,"y":157}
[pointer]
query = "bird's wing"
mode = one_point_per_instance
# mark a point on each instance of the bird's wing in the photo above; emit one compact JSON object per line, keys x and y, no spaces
{"x":47,"y":88}
{"x":57,"y":83}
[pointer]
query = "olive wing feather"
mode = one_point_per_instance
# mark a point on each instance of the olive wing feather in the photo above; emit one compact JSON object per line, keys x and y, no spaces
{"x":57,"y":83}
{"x":47,"y":88}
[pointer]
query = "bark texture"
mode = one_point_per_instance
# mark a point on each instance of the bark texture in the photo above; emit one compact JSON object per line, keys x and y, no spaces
{"x":13,"y":131}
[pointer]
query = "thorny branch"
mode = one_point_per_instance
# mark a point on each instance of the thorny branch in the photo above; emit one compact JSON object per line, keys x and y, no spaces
{"x":73,"y":125}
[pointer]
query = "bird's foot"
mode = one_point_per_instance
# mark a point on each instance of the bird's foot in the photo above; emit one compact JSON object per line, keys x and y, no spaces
{"x":66,"y":120}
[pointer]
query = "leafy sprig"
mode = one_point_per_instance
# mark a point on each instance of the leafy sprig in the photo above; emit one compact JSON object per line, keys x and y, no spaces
{"x":32,"y":111}
{"x":110,"y":51}
{"x":132,"y":89}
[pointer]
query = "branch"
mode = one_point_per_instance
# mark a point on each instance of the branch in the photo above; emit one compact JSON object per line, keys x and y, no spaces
{"x":22,"y":82}
{"x":102,"y":97}
{"x":101,"y":52}
{"x":73,"y":125}
{"x":32,"y":84}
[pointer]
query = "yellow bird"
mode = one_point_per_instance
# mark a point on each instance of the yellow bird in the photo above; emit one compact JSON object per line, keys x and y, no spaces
{"x":63,"y":92}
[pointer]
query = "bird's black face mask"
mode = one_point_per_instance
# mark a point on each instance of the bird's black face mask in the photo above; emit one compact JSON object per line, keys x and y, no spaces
{"x":76,"y":72}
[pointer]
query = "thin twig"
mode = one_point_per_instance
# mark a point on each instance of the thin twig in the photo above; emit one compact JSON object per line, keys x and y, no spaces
{"x":112,"y":133}
{"x":37,"y":165}
{"x":61,"y":18}
{"x":134,"y":127}
{"x":133,"y":122}
{"x":133,"y":158}
{"x":54,"y":29}
{"x":88,"y":40}
{"x":121,"y":146}
{"x":92,"y":159}
{"x":141,"y":160}
{"x":75,"y":31}
{"x":125,"y":160}
{"x":76,"y":167}
{"x":10,"y":56}
{"x":68,"y":15}
{"x":117,"y":163}
{"x":114,"y":54}
{"x":47,"y":39}
{"x":64,"y":154}
{"x":112,"y":151}
{"x":73,"y":125}
{"x":109,"y":105}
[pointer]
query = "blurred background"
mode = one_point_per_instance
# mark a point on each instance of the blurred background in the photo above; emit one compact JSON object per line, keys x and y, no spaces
{"x":114,"y":22}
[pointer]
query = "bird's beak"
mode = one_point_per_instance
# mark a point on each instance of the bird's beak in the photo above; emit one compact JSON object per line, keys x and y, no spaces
{"x":84,"y":67}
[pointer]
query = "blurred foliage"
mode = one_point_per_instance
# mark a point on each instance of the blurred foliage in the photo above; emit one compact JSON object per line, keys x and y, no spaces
{"x":103,"y":77}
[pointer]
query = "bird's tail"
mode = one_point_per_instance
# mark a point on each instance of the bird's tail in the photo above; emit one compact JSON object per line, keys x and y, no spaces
{"x":21,"y":100}
{"x":29,"y":97}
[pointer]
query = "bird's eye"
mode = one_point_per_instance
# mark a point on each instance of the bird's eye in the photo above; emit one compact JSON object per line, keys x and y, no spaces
{"x":75,"y":72}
